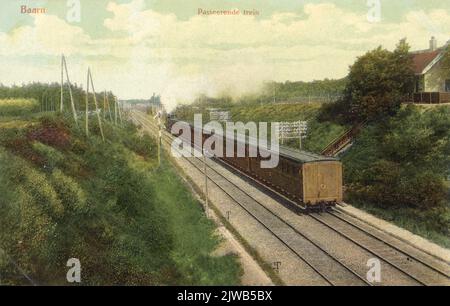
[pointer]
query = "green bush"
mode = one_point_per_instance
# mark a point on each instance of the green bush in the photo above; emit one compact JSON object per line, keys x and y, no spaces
{"x":52,"y":156}
{"x":388,"y":185}
{"x":398,"y":167}
{"x":69,"y":192}
{"x":37,"y":185}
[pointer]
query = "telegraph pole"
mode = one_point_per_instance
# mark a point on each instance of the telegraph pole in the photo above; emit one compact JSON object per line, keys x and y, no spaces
{"x":115,"y":113}
{"x":120,"y":110}
{"x":206,"y":184}
{"x":96,"y":106}
{"x":62,"y":81}
{"x":87,"y":106}
{"x":274,"y":99}
{"x":74,"y":111}
{"x":109,"y":108}
{"x":104,"y":105}
{"x":159,"y":139}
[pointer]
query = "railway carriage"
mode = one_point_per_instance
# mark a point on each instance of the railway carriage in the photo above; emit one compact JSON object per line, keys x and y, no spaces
{"x":306,"y":178}
{"x":311,"y":180}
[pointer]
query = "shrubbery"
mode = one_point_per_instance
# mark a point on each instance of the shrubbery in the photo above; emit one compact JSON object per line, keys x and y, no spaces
{"x":402,"y":163}
{"x":66,"y":196}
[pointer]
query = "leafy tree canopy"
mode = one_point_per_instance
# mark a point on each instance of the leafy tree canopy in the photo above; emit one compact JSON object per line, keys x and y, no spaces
{"x":378,"y":82}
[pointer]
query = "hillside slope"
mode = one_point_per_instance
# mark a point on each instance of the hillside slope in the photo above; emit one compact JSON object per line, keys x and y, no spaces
{"x":398,"y":169}
{"x":105,"y":203}
{"x":319,"y":134}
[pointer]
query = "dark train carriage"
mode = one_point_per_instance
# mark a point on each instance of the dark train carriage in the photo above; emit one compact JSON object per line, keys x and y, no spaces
{"x":306,"y":178}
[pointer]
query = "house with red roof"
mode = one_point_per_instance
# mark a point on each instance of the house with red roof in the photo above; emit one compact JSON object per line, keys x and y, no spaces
{"x":430,"y":87}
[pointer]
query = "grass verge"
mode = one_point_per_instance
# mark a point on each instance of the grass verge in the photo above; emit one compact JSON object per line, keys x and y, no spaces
{"x":105,"y":203}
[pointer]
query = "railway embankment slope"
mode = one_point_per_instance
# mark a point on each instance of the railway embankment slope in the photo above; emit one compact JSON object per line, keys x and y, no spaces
{"x":108,"y":204}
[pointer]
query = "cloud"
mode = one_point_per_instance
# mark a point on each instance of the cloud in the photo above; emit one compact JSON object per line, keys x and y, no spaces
{"x":144,"y":51}
{"x":49,"y":35}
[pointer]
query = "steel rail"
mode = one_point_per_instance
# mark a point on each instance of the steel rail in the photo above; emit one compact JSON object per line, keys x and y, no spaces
{"x":324,"y":277}
{"x":368,"y":249}
{"x":343,"y":234}
{"x":391,"y":245}
{"x":278,"y":217}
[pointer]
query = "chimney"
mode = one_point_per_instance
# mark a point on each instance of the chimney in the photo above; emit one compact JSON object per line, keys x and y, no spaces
{"x":433,"y":44}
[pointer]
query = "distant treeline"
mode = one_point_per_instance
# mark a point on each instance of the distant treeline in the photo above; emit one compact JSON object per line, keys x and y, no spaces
{"x":49,"y":95}
{"x":315,"y":91}
{"x":287,"y":92}
{"x":154,"y":100}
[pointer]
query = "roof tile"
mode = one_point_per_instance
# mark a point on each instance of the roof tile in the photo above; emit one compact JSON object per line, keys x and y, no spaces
{"x":422,"y":59}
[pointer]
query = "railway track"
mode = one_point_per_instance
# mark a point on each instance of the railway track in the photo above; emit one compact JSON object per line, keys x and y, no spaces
{"x":419,"y":269}
{"x":247,"y":202}
{"x":411,"y":266}
{"x":325,"y":265}
{"x":443,"y":269}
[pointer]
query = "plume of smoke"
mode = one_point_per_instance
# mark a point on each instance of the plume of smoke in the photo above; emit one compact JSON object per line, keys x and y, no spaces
{"x":233,"y":81}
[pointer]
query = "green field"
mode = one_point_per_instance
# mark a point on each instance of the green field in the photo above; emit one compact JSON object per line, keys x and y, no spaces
{"x":105,"y":203}
{"x":18,"y":107}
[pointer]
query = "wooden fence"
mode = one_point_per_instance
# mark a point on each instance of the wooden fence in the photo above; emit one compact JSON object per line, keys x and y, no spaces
{"x":429,"y":97}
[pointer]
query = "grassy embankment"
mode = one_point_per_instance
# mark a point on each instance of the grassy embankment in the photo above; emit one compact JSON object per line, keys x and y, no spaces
{"x":107,"y":204}
{"x":319,"y":133}
{"x":398,"y":170}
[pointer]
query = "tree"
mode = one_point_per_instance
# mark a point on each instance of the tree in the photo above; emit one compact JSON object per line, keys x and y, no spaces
{"x":378,"y":82}
{"x":402,"y":161}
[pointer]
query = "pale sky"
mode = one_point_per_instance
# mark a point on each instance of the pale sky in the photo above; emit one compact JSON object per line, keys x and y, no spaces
{"x":139,"y":47}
